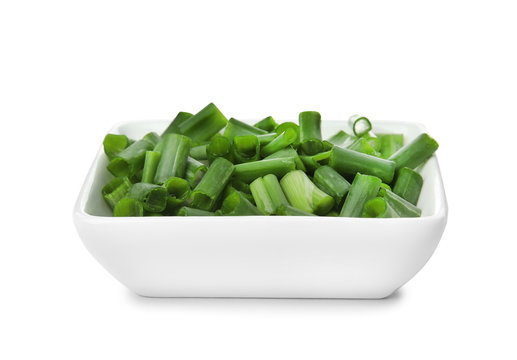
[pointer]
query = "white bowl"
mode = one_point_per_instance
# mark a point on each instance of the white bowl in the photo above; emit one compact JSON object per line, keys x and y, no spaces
{"x":261,"y":256}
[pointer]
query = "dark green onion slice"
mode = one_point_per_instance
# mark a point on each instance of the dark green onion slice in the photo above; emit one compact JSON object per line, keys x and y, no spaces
{"x":248,"y":172}
{"x":282,"y":141}
{"x":173,"y":159}
{"x":236,"y":204}
{"x":128,"y":207}
{"x":363,"y":189}
{"x":310,"y":132}
{"x":114,"y":144}
{"x":173,"y":127}
{"x":331,"y":182}
{"x":188,"y":211}
{"x":212,"y":184}
{"x":268,"y":124}
{"x":408,"y":185}
{"x":203,"y":125}
{"x":239,"y":128}
{"x":360,"y":125}
{"x":152,"y":158}
{"x":153,"y":197}
{"x":116,"y":190}
{"x":415,"y":153}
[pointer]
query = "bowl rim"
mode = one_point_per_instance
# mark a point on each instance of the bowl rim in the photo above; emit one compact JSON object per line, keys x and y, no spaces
{"x":80,"y":214}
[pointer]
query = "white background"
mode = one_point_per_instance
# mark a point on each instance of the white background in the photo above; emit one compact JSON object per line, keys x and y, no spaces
{"x":69,"y":70}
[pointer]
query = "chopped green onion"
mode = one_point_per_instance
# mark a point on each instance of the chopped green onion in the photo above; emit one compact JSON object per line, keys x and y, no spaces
{"x":248,"y":172}
{"x":116,"y":190}
{"x":159,"y":146}
{"x":288,"y":153}
{"x":246,"y":148}
{"x":128,"y":207}
{"x":378,"y":208}
{"x":195,"y":171}
{"x":220,"y":146}
{"x":342,"y":139}
{"x":261,"y":196}
{"x":363,"y":189}
{"x":173,"y":127}
{"x":153,"y":197}
{"x":268,"y":124}
{"x":188,"y":211}
{"x":212,"y":184}
{"x":286,"y":125}
{"x":240,"y":185}
{"x":265,"y":139}
{"x":310,"y":132}
{"x":415,"y":153}
{"x":130,"y":160}
{"x":408,"y":185}
{"x":275,"y":191}
{"x":304,"y":195}
{"x":363,"y":146}
{"x":282,"y":141}
{"x":199,"y":152}
{"x":203,"y":125}
{"x":236,"y":204}
{"x":348,"y":163}
{"x":288,"y":210}
{"x":113,"y":144}
{"x":173,"y":159}
{"x":152,"y":158}
{"x":385,"y":186}
{"x":360,"y":125}
{"x":178,"y":191}
{"x":327,"y":145}
{"x":401,"y":206}
{"x":239,"y":128}
{"x":309,"y":163}
{"x":152,"y":137}
{"x":331,"y":182}
{"x":390,"y":143}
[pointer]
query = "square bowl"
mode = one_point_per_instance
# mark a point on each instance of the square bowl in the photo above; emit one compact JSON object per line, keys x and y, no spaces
{"x":261,"y":256}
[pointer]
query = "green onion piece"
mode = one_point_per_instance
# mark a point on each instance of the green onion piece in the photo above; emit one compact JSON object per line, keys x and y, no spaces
{"x":378,"y":208}
{"x":173,"y":127}
{"x":248,"y":172}
{"x":173,"y":159}
{"x":310,"y":132}
{"x":220,"y":146}
{"x":265,"y":139}
{"x":327,"y":145}
{"x":188,"y":211}
{"x":408,"y":185}
{"x":116,"y":190}
{"x":229,"y":189}
{"x":246,"y":148}
{"x":275,"y":191}
{"x":152,"y":158}
{"x":239,"y":128}
{"x":130,"y":160}
{"x":360,"y":125}
{"x":309,"y":163}
{"x":153,"y":197}
{"x":401,"y":206}
{"x":159,"y":146}
{"x":199,"y":152}
{"x":236,"y":204}
{"x":178,"y":191}
{"x":333,"y":213}
{"x":322,"y":156}
{"x":137,"y":177}
{"x":342,"y":139}
{"x":282,"y":141}
{"x":204,"y":124}
{"x":128,"y":207}
{"x":331,"y":182}
{"x":240,"y":186}
{"x":268,"y":124}
{"x":385,"y":186}
{"x":390,"y":143}
{"x":349,"y":162}
{"x":153,"y":138}
{"x":195,"y":171}
{"x":288,"y":153}
{"x":113,"y":144}
{"x":362,"y":145}
{"x":286,"y":125}
{"x":363,"y":189}
{"x":212,"y":184}
{"x":415,"y":153}
{"x":288,"y":210}
{"x":304,"y":195}
{"x":261,"y":196}
{"x":374,"y":141}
